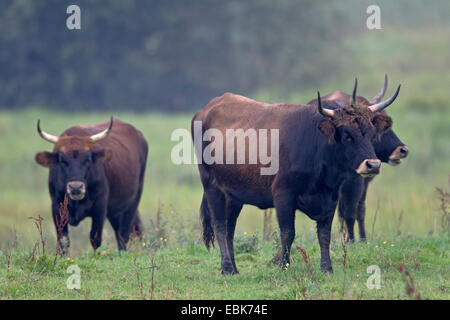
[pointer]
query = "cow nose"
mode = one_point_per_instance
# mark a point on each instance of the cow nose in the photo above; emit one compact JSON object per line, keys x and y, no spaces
{"x":76,"y":187}
{"x":373,"y":165}
{"x":76,"y":190}
{"x":369,"y":167}
{"x":403,"y":151}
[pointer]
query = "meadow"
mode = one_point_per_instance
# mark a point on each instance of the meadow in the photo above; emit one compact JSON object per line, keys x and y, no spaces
{"x":405,"y":222}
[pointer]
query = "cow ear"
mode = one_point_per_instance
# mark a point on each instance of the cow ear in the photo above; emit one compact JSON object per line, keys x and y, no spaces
{"x":45,"y":158}
{"x":104,"y":155}
{"x":382,"y":123}
{"x":327,"y":127}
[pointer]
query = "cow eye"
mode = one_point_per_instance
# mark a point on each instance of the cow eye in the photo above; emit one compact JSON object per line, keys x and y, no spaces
{"x":348,"y":138}
{"x":63,"y":161}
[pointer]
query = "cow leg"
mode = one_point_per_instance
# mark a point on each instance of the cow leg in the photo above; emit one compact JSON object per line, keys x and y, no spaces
{"x":126,"y":223}
{"x":349,"y":196}
{"x":216,"y":205}
{"x":361,"y":212}
{"x":136,"y":228}
{"x":350,"y":223}
{"x":361,"y":221}
{"x":233,"y":209}
{"x":61,"y":235}
{"x":347,"y":210}
{"x":115,"y":223}
{"x":324,"y":235}
{"x":95,"y":235}
{"x":285,"y":206}
{"x":98,"y":221}
{"x":130,"y":218}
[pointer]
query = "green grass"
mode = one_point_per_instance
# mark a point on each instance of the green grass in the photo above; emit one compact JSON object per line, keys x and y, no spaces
{"x":190,"y":272}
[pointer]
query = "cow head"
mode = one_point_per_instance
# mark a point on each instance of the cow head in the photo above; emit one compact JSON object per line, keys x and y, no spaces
{"x":75,"y":160}
{"x":353,"y":131}
{"x":388,"y":146}
{"x":390,"y":149}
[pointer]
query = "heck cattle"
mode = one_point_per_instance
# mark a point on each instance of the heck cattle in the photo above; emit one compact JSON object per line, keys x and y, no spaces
{"x":319,"y":149}
{"x":388,"y":148}
{"x":100,"y":169}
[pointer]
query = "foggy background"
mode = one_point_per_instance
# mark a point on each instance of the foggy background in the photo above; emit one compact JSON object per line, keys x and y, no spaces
{"x":177,"y":55}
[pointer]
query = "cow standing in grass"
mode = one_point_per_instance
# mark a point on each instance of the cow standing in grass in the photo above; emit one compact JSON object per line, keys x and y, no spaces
{"x":319,"y":149}
{"x":388,"y":148}
{"x":100,"y":169}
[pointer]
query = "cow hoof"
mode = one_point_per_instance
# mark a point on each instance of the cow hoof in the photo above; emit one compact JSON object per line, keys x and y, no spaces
{"x":284,"y":266}
{"x":230,"y":271}
{"x":327,"y":270}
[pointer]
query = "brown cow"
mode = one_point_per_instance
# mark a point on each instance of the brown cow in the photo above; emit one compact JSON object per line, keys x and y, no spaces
{"x":319,"y":148}
{"x":101,"y":169}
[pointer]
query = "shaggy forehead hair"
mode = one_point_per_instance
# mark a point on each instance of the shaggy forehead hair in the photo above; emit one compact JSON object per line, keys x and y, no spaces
{"x":361,"y":117}
{"x":352,"y":116}
{"x":70,"y":143}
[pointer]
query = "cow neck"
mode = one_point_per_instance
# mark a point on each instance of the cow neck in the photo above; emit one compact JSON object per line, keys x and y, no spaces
{"x":332,"y":173}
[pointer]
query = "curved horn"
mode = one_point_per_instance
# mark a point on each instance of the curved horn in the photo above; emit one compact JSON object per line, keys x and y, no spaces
{"x":324,"y":111}
{"x":45,"y":135}
{"x":382,"y":105}
{"x":353,"y":100}
{"x":380,"y":94}
{"x":102,"y":135}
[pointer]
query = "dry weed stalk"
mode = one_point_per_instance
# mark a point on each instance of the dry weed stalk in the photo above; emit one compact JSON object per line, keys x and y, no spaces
{"x":399,"y":223}
{"x":267,"y":227}
{"x":344,"y":260}
{"x":152,"y":268}
{"x":409,"y":283}
{"x":302,"y":282}
{"x":38,"y":223}
{"x":308,"y":265}
{"x":61,"y":222}
{"x":375,"y":219}
{"x":444,"y":198}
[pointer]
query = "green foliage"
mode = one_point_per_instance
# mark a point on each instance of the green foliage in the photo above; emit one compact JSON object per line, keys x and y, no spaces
{"x":245,"y":243}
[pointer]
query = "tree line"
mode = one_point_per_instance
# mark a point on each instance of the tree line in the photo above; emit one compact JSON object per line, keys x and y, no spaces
{"x":169,"y":55}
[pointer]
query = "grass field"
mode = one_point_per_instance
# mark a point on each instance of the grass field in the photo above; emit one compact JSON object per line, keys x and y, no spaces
{"x":403,"y":206}
{"x":174,"y":271}
{"x":403,"y":209}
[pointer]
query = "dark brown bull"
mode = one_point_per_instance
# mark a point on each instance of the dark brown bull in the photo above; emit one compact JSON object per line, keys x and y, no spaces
{"x":388,"y":148}
{"x":101,"y":169}
{"x":319,"y":149}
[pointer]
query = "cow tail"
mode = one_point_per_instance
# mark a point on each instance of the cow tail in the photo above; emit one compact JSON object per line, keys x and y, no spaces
{"x":205,"y":217}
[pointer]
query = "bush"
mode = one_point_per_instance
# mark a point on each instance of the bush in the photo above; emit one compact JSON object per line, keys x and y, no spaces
{"x":244,"y":243}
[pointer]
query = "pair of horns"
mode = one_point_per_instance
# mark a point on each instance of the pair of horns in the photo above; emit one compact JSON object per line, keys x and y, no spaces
{"x":376,"y":105}
{"x":94,"y":138}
